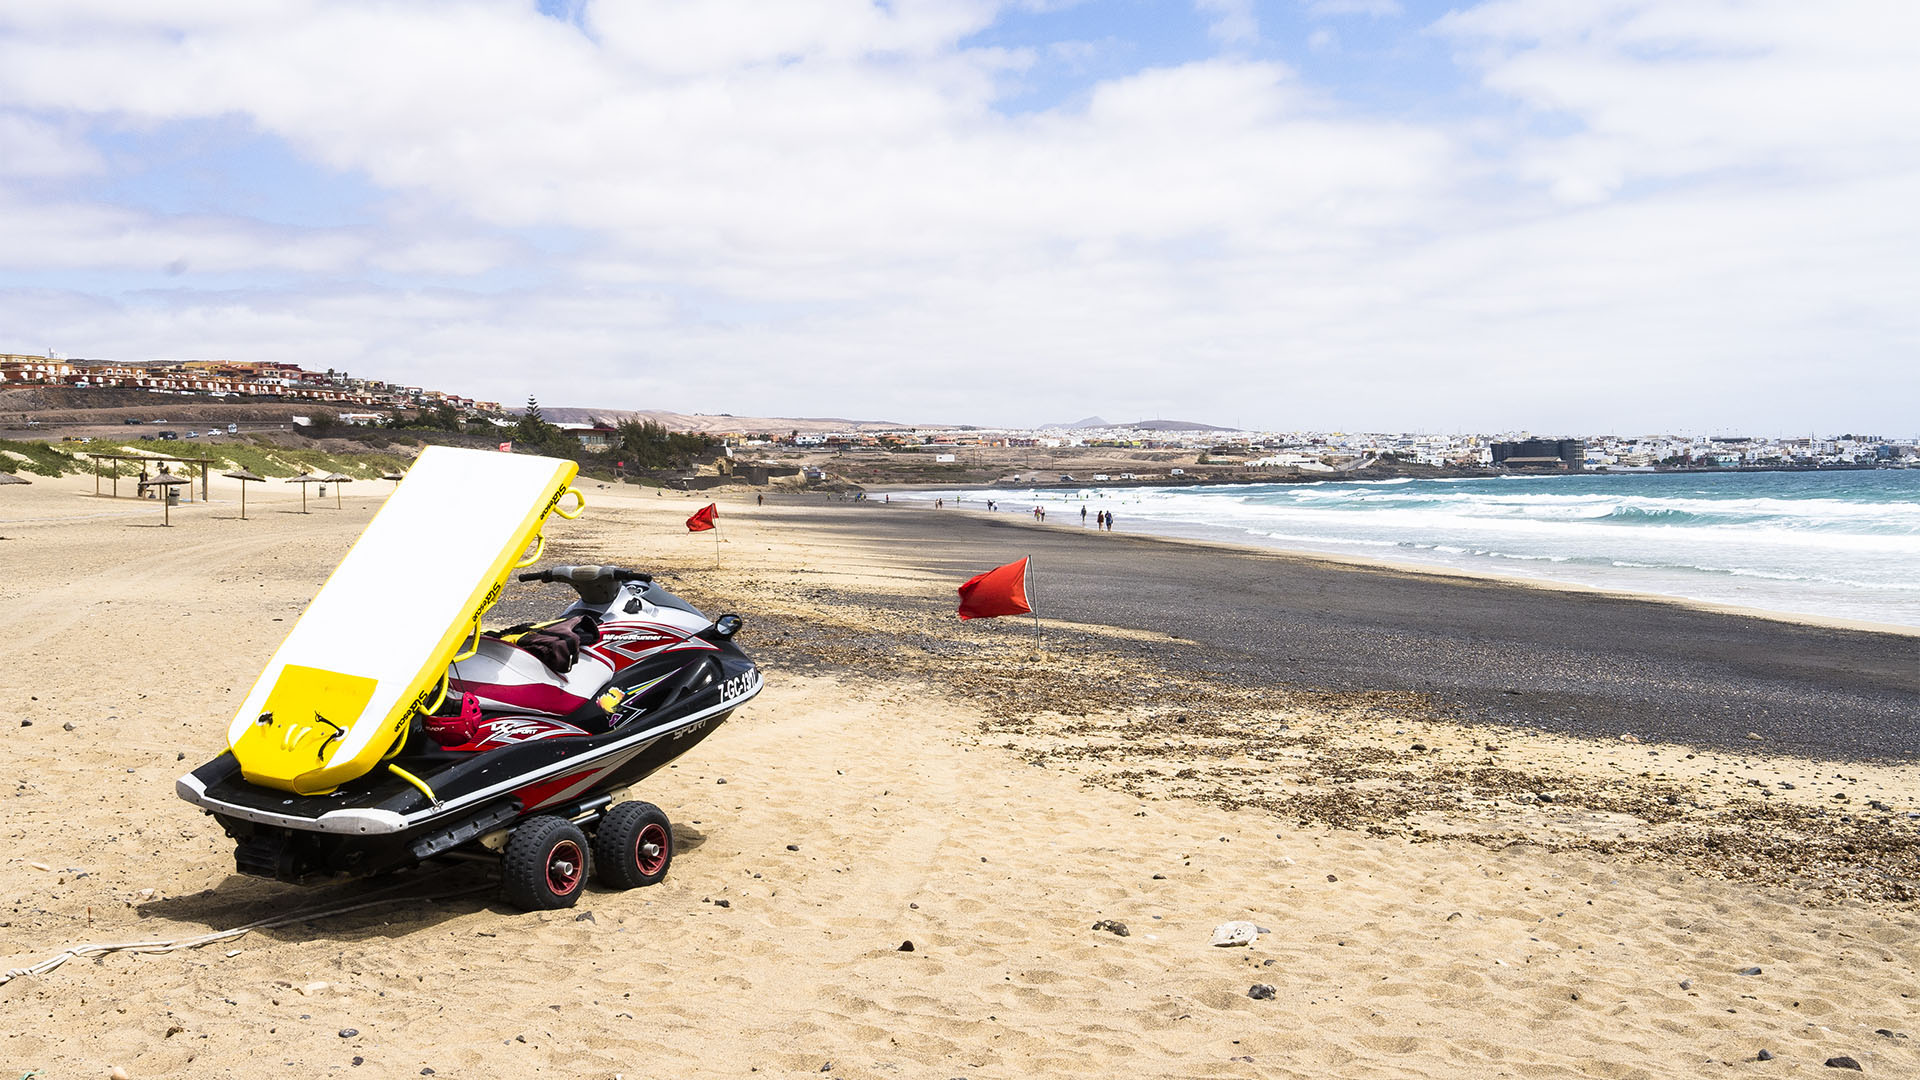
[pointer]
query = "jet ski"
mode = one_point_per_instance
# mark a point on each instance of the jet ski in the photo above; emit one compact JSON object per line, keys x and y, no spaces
{"x":389,"y":729}
{"x":521,"y":764}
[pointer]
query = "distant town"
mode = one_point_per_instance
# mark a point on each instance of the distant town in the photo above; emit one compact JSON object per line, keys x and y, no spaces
{"x":373,"y":402}
{"x":228,"y":378}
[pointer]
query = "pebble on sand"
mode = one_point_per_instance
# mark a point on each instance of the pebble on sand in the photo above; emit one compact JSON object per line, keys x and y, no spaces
{"x":905,"y":946}
{"x":348,"y":1033}
{"x":115,"y":1073}
{"x":1844,"y":1062}
{"x":1764,"y":1055}
{"x":1112,"y":926}
{"x":1260,"y":991}
{"x":1227,"y":935}
{"x":1750,"y":971}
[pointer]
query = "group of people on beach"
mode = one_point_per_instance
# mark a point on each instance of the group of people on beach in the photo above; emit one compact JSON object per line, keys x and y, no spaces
{"x":1101,"y":520}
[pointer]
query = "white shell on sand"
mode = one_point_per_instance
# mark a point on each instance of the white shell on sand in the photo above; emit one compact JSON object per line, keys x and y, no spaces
{"x":1227,"y":935}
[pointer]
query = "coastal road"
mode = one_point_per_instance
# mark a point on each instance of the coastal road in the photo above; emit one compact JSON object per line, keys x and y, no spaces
{"x":1563,"y":660}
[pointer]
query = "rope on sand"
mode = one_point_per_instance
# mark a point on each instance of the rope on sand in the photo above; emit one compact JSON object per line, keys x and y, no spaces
{"x":76,"y":952}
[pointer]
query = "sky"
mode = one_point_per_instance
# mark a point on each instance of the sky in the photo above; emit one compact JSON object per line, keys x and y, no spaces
{"x":1574,"y":216}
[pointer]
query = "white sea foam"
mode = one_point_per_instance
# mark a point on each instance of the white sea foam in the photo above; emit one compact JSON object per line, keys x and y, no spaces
{"x":1842,"y":544}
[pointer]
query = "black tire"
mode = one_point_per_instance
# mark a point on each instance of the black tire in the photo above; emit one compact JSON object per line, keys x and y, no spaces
{"x":545,"y":865}
{"x":634,"y":846}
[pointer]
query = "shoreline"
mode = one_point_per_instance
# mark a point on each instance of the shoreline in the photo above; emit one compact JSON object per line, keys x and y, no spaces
{"x":1415,"y":566}
{"x":1544,"y":655}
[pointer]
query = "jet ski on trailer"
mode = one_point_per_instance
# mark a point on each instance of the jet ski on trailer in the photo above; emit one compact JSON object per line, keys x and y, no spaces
{"x":350,"y":759}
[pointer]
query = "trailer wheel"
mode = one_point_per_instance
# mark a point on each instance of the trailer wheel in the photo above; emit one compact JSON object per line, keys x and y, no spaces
{"x":545,"y":864}
{"x":634,"y":845}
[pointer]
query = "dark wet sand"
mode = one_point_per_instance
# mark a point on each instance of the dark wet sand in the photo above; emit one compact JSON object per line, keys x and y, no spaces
{"x":1561,"y":660}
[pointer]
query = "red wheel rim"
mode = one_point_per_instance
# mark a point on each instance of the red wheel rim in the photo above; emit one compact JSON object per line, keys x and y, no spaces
{"x":653,"y":837}
{"x":564,"y":867}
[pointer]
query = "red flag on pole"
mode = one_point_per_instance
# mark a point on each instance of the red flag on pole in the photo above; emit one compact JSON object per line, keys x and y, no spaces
{"x":702,"y":519}
{"x":506,"y":447}
{"x":1000,"y":591}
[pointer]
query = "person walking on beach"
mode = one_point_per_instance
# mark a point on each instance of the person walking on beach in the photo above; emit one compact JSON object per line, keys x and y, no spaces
{"x":1083,"y":517}
{"x":1109,"y":521}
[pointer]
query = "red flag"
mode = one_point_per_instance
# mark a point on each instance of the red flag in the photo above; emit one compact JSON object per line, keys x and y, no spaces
{"x":506,"y":448}
{"x":702,"y":519}
{"x":1000,"y":591}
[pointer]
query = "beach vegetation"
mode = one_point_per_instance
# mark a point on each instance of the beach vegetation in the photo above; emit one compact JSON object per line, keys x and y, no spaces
{"x":321,"y":424}
{"x":273,"y":460}
{"x":39,"y":458}
{"x":439,"y":418}
{"x":649,"y":445}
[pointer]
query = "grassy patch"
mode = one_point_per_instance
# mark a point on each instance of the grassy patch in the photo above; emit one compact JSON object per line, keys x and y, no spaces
{"x":272,"y":460}
{"x":36,"y":457}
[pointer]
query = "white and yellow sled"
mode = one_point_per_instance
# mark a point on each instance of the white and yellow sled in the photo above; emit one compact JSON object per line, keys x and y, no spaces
{"x":374,"y":645}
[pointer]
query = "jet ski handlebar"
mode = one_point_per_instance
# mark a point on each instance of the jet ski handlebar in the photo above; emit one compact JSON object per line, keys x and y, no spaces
{"x":583,"y":574}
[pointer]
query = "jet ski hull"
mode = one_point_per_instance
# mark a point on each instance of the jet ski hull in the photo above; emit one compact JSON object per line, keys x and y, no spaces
{"x":518,"y":766}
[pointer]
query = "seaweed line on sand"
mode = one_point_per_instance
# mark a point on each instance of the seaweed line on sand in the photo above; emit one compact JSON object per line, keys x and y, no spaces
{"x":1386,"y":763}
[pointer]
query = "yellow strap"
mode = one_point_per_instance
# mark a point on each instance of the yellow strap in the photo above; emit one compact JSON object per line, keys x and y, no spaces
{"x":539,"y":549}
{"x":578,"y":506}
{"x":416,"y":782}
{"x":474,"y":649}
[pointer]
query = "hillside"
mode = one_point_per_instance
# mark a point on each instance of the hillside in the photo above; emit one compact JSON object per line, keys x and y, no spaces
{"x":706,"y":423}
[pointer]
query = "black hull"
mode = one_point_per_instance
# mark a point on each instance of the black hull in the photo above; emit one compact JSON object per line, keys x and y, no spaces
{"x":382,"y":822}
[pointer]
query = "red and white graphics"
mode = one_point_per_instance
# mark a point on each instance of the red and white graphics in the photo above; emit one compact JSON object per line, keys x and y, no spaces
{"x":507,"y":730}
{"x":505,"y":677}
{"x":622,"y":643}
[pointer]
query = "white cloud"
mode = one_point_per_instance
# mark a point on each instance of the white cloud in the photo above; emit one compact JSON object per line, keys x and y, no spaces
{"x":1680,"y":88}
{"x":818,"y":209}
{"x":31,"y":148}
{"x":1375,"y":8}
{"x":1234,"y":21}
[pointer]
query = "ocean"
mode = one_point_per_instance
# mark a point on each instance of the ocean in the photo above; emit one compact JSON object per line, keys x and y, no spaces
{"x":1836,"y":544}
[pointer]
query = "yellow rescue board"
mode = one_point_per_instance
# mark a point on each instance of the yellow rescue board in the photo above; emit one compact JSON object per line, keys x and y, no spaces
{"x":374,"y":645}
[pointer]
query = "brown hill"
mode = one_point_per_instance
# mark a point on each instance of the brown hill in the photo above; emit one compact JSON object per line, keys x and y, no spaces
{"x":704,"y":422}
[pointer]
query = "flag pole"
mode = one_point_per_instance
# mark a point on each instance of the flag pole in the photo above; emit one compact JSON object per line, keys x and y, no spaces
{"x":1033,"y":608}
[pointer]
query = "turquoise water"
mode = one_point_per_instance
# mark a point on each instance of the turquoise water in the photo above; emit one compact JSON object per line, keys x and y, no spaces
{"x":1837,"y":544}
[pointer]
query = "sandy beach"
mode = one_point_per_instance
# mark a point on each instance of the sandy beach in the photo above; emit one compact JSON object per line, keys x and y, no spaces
{"x":1479,"y":848}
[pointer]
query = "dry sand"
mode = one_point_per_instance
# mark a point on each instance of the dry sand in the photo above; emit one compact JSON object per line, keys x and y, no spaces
{"x":984,"y":820}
